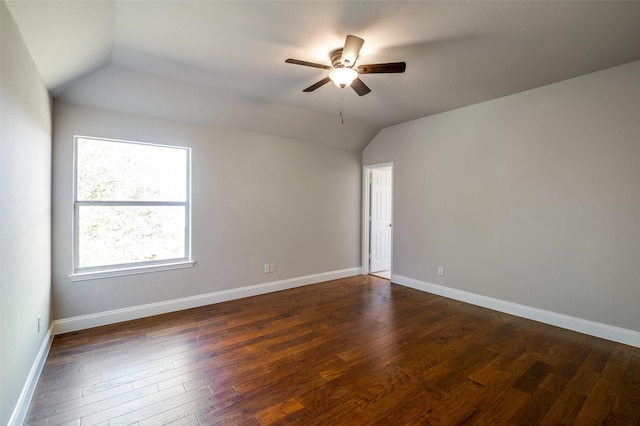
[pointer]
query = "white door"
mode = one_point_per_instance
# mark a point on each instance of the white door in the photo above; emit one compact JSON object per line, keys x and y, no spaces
{"x":380,"y":220}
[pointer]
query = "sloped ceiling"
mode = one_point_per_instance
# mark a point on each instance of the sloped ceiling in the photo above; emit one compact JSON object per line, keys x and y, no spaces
{"x":222,"y":62}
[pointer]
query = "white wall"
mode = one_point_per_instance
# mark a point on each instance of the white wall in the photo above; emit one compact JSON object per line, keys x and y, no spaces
{"x":256,"y":199}
{"x":533,"y":198}
{"x":25,"y":214}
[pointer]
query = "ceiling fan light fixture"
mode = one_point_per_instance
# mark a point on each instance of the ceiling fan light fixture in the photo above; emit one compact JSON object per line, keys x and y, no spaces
{"x":342,"y":77}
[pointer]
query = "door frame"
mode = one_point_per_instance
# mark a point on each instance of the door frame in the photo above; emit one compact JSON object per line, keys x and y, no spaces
{"x":365,"y":248}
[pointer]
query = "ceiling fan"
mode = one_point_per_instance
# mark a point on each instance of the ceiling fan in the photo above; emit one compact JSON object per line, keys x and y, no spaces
{"x":343,"y":73}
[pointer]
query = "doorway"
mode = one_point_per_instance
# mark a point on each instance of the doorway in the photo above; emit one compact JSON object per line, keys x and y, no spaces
{"x":377,"y":229}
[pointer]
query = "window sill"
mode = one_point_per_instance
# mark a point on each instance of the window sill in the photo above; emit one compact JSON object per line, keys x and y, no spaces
{"x":95,"y":275}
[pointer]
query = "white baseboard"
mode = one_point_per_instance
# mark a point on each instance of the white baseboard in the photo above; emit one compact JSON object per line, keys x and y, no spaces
{"x":604,"y":331}
{"x":20,"y":410}
{"x":111,"y":317}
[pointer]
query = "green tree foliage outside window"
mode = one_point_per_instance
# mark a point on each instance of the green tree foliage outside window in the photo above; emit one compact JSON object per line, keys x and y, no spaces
{"x":131,"y":205}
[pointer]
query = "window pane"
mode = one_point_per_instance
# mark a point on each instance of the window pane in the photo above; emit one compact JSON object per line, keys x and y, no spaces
{"x":111,"y":235}
{"x":121,"y":171}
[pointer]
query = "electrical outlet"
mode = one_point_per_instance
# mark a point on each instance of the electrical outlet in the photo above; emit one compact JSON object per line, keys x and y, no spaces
{"x":440,"y":270}
{"x":272,"y":267}
{"x":265,"y":268}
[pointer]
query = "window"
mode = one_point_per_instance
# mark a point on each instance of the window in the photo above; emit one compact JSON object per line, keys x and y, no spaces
{"x":131,"y":206}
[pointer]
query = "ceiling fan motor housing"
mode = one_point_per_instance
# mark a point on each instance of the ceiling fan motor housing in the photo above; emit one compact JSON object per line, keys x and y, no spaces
{"x":336,"y":56}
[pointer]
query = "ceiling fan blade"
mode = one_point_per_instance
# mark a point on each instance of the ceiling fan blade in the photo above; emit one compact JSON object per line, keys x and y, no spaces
{"x":392,"y":67}
{"x":308,"y":64}
{"x":359,"y":86}
{"x":318,"y":84}
{"x":351,"y":50}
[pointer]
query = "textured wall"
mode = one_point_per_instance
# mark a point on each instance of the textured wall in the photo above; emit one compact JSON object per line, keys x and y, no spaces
{"x":256,"y":199}
{"x":25,"y":213}
{"x":532,"y":198}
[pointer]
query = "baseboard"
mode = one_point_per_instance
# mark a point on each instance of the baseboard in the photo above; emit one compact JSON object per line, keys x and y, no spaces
{"x":111,"y":317}
{"x":604,"y":331}
{"x":20,"y":410}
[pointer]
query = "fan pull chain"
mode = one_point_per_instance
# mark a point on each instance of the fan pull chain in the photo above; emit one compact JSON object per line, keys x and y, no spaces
{"x":342,"y":106}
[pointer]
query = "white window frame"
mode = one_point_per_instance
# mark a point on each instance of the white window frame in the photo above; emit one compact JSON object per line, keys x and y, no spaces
{"x":106,"y":271}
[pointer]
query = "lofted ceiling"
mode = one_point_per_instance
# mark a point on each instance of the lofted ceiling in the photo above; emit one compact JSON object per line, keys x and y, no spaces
{"x":222,"y":62}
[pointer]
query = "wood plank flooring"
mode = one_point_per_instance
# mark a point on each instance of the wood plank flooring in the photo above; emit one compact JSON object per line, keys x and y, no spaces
{"x":355,"y":351}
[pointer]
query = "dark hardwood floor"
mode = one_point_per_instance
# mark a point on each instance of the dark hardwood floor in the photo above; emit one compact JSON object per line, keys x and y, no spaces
{"x":346,"y":352}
